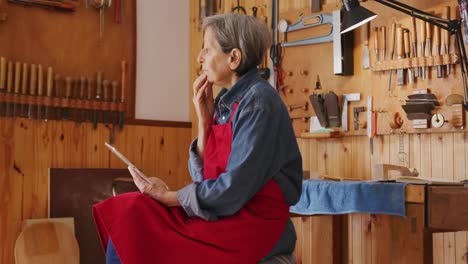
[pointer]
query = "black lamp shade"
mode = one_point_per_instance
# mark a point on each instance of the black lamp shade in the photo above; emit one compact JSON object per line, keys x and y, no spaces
{"x":354,"y":15}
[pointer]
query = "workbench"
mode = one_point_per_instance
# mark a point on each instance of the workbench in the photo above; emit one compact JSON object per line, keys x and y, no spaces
{"x":429,"y":209}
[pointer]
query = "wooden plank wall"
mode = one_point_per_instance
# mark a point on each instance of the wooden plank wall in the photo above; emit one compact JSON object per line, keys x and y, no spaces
{"x":442,"y":155}
{"x":28,"y":148}
{"x":70,"y":43}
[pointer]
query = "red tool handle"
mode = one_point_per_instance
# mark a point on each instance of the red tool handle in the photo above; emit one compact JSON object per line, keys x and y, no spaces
{"x":374,"y":124}
{"x":117,"y":13}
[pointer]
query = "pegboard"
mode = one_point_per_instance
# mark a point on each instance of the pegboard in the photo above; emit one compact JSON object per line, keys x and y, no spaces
{"x":301,"y":65}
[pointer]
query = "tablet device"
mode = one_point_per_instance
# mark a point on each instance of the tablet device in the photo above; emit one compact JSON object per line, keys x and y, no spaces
{"x":125,"y":160}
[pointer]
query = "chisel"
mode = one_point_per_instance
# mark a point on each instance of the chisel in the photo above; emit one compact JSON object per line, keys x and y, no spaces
{"x":422,"y":41}
{"x":40,"y":90}
{"x":407,"y":49}
{"x":414,"y":44}
{"x":49,"y":87}
{"x":81,"y":97}
{"x":383,"y":41}
{"x":17,"y":87}
{"x":67,"y":95}
{"x":123,"y":73}
{"x":9,"y":87}
{"x":97,"y":98}
{"x":365,"y":47}
{"x":32,"y":88}
{"x":115,"y":99}
{"x":376,"y":43}
{"x":24,"y":88}
{"x":89,"y":97}
{"x":105,"y":88}
{"x":428,"y":45}
{"x":446,"y":37}
{"x":437,"y":49}
{"x":392,"y":53}
{"x":399,"y":48}
{"x":114,"y":114}
{"x":2,"y":80}
{"x":58,"y":111}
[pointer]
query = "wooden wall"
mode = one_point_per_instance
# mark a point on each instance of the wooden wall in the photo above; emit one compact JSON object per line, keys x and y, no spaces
{"x":28,"y":148}
{"x":69,"y":42}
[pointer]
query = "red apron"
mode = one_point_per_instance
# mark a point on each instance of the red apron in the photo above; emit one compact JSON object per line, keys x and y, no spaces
{"x":145,"y":231}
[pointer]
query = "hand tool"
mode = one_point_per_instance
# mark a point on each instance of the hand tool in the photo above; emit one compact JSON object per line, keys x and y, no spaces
{"x":341,"y":42}
{"x":376,"y":43}
{"x":68,"y":92}
{"x":117,"y":11}
{"x":9,"y":87}
{"x":57,"y":88}
{"x":89,"y":97}
{"x":98,"y":98}
{"x":399,"y":48}
{"x":24,"y":88}
{"x":102,"y":5}
{"x":2,"y":80}
{"x":81,"y":96}
{"x":422,"y":41}
{"x":114,"y":114}
{"x":106,"y":98}
{"x":437,"y":49}
{"x":123,"y":73}
{"x":429,"y":44}
{"x":40,"y":90}
{"x":365,"y":47}
{"x":75,"y":95}
{"x":392,"y":54}
{"x":50,"y":85}
{"x":49,"y":4}
{"x":115,"y":99}
{"x":414,"y":44}
{"x":370,"y":124}
{"x":345,"y":98}
{"x":383,"y":42}
{"x":17,"y":87}
{"x":32,"y":88}
{"x":407,"y":49}
{"x":356,"y":111}
{"x":446,"y":37}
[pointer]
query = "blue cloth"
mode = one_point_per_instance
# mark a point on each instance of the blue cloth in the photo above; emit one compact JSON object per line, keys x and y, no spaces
{"x":111,"y":254}
{"x":341,"y":197}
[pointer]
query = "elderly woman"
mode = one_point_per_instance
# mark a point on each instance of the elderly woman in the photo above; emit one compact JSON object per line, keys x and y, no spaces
{"x":245,"y":165}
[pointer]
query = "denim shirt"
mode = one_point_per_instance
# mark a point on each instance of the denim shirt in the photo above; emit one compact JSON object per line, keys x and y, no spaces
{"x":263,"y":147}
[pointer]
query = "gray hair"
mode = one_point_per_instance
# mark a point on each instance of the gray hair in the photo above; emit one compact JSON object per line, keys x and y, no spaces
{"x":246,"y":33}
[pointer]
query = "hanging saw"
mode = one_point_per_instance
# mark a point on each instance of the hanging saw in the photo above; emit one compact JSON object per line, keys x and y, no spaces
{"x":342,"y":43}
